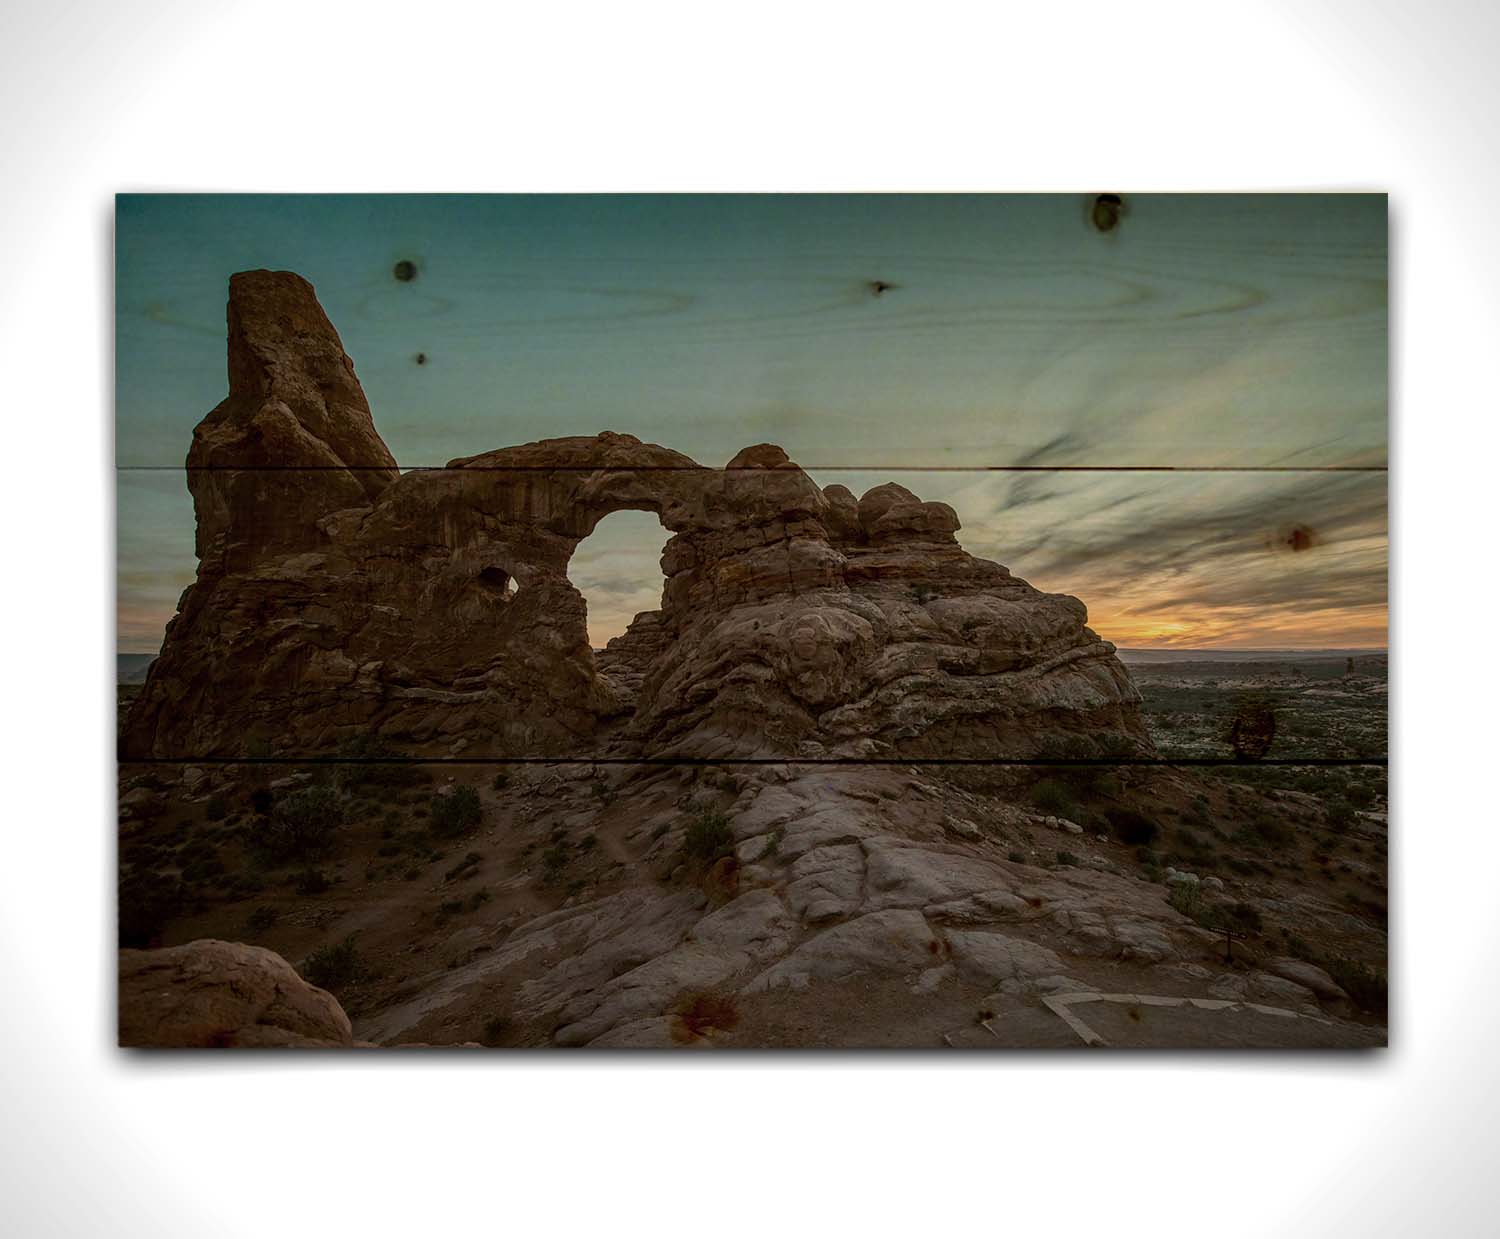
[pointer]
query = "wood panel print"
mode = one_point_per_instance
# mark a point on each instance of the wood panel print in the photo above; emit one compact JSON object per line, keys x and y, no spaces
{"x":934,"y":622}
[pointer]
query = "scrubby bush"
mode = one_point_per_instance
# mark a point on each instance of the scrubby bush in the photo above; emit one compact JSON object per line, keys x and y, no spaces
{"x":1132,"y":828}
{"x":312,"y":882}
{"x":261,"y":918}
{"x":1272,"y":831}
{"x":1196,"y":815}
{"x":555,"y":861}
{"x":335,"y":966}
{"x":302,"y":826}
{"x":1365,"y":985}
{"x":707,"y":837}
{"x":455,"y":812}
{"x":1052,"y":796}
{"x":1187,"y":898}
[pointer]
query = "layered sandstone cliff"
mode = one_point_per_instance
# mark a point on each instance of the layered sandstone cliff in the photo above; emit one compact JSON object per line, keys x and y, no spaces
{"x":339,"y":601}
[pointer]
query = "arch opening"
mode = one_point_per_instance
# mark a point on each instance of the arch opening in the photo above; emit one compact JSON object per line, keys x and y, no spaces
{"x":498,"y":581}
{"x":617,"y":569}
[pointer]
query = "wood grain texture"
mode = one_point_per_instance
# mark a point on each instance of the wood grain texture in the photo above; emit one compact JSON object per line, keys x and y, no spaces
{"x":887,"y":331}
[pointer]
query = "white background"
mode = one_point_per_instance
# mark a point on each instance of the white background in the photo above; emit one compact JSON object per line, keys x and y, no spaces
{"x":99,"y":97}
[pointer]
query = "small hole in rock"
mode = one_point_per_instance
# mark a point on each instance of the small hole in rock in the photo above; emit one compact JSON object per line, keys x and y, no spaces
{"x":420,"y":359}
{"x":405,"y":271}
{"x":500,"y":581}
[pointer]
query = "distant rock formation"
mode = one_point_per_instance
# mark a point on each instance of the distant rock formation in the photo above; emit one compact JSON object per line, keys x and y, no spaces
{"x":339,"y":600}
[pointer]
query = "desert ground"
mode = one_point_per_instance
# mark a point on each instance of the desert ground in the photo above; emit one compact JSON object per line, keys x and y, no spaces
{"x":810,"y":905}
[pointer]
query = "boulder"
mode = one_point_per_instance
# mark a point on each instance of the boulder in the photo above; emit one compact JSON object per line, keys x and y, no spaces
{"x":212,"y":994}
{"x":1309,"y":976}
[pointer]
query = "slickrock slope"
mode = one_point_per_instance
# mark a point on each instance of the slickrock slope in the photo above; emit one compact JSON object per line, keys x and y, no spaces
{"x":733,"y":907}
{"x":338,"y":601}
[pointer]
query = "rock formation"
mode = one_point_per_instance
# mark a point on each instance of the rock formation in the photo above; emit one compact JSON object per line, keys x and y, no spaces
{"x":223,"y":994}
{"x":338,"y":600}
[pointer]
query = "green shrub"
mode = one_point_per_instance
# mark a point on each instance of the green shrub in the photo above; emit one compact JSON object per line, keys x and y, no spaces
{"x":1365,"y":985}
{"x":247,"y":883}
{"x":554,"y":861}
{"x":261,"y":918}
{"x":1132,"y":828}
{"x":773,"y":844}
{"x":1017,"y":858}
{"x":1187,"y":898}
{"x":302,"y":826}
{"x":335,"y":966}
{"x":455,"y":812}
{"x":1272,"y":831}
{"x":1052,"y":796}
{"x":1066,"y":858}
{"x":707,"y":837}
{"x":312,"y":882}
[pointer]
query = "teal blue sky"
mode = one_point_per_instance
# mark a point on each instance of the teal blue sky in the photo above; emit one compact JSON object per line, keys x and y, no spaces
{"x":873,"y":334}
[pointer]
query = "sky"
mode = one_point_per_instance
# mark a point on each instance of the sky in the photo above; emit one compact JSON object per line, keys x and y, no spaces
{"x":954,"y":343}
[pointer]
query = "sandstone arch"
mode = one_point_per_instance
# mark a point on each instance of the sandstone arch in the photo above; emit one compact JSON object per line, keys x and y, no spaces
{"x":351,"y":600}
